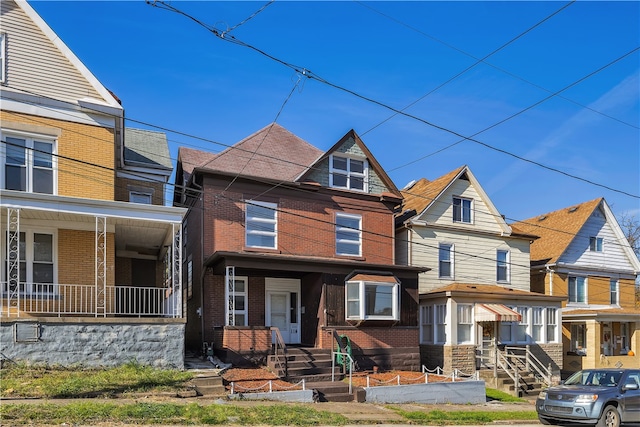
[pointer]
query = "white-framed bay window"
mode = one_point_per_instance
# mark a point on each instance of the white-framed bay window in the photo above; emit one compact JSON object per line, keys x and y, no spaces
{"x":522,"y":328}
{"x":37,"y":251}
{"x":537,"y":324}
{"x":441,"y":324}
{"x":552,"y":324}
{"x":465,"y":323}
{"x":348,"y":234}
{"x":261,"y":224}
{"x":28,"y":162}
{"x":369,"y":300}
{"x":426,"y":324}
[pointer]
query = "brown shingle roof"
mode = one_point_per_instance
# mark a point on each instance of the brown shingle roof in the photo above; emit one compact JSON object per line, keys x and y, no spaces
{"x":556,"y":230}
{"x":191,"y":159}
{"x":481,"y":289}
{"x":423,"y":192}
{"x":272,"y":152}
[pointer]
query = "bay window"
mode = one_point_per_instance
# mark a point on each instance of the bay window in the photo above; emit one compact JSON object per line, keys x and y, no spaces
{"x":465,"y":323}
{"x":372,"y":300}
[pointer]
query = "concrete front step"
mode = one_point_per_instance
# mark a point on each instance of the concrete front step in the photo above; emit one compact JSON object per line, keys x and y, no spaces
{"x":209,"y":385}
{"x":336,"y":391}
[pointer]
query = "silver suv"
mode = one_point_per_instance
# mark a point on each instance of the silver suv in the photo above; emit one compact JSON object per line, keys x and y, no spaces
{"x":605,"y":397}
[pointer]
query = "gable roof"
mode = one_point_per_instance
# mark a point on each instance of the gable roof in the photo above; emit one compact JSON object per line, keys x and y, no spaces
{"x":273,"y":152}
{"x":107,"y":99}
{"x":146,"y":148}
{"x":556,"y":230}
{"x":422,"y":195}
{"x":373,"y":163}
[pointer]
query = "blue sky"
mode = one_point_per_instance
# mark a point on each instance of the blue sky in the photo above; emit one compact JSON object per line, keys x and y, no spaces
{"x":171,"y":72}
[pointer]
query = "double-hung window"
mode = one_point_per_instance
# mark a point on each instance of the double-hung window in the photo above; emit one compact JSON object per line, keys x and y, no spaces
{"x":445,"y":261}
{"x":521,"y":330}
{"x":614,"y":292}
{"x":348,"y":173}
{"x":238,"y":302}
{"x":261,"y":224}
{"x":28,"y":163}
{"x":465,"y":323}
{"x":502,"y":265}
{"x":441,"y":323}
{"x":552,"y":324}
{"x":426,"y":317}
{"x":577,"y":289}
{"x":538,"y":324}
{"x":595,"y":244}
{"x":36,"y":269}
{"x":372,"y":300}
{"x":348,"y":234}
{"x":462,"y":210}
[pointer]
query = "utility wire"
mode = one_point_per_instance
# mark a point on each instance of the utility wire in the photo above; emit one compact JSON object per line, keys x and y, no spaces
{"x":311,"y":75}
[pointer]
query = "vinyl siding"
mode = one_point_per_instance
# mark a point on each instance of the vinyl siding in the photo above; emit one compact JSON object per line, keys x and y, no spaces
{"x":474,"y":258}
{"x":35,"y":64}
{"x":441,"y":212}
{"x":612,"y":255}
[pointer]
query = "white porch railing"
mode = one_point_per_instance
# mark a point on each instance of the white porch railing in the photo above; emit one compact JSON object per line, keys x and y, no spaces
{"x":65,"y":300}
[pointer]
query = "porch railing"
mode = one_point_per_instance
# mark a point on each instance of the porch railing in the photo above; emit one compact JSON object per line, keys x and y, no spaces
{"x":279,"y":350}
{"x":525,"y":360}
{"x":80,"y":300}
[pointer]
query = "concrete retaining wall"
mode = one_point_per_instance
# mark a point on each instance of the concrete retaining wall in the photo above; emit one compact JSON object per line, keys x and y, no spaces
{"x":94,"y":342}
{"x":461,"y":392}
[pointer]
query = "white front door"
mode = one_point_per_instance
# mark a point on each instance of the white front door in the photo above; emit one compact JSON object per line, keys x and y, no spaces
{"x":283,"y":308}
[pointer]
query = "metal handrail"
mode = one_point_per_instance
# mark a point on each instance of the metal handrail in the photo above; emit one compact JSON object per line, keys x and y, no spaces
{"x":507,"y":366}
{"x":531,"y":361}
{"x":351,"y":365}
{"x":280,"y":344}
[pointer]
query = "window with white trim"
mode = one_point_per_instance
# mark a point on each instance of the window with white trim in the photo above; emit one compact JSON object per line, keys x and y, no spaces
{"x":502,"y":265}
{"x":140,"y":197}
{"x":465,"y":323}
{"x":372,"y":300}
{"x":37,"y":270}
{"x":537,"y":327}
{"x":426,"y":318}
{"x":445,"y":260}
{"x":441,"y":323}
{"x":261,"y":224}
{"x":595,"y":244}
{"x":577,"y":289}
{"x":239,"y":302}
{"x":614,"y":292}
{"x":3,"y":57}
{"x":28,"y":163}
{"x":507,"y":330}
{"x":348,"y":234}
{"x":523,"y":325}
{"x":348,"y":172}
{"x":552,"y":324}
{"x":462,"y":209}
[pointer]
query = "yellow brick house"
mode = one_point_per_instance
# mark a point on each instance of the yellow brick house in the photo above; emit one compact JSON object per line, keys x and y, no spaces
{"x":90,"y":257}
{"x":583,"y":255}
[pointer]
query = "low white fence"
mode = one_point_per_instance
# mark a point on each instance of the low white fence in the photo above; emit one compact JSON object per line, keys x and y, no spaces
{"x":86,"y":300}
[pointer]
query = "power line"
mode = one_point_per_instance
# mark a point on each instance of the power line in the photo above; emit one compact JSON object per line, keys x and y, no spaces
{"x":305,"y":72}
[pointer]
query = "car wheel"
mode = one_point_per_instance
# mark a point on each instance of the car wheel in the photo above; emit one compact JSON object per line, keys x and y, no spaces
{"x":544,"y":421}
{"x":609,"y":418}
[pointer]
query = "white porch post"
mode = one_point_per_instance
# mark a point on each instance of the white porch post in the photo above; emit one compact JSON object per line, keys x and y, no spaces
{"x":176,"y":267}
{"x":13,"y":260}
{"x":101,"y":266}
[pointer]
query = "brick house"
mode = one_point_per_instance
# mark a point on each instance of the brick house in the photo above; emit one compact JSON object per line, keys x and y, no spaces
{"x":283,"y":238}
{"x":87,"y":277}
{"x":583,"y":255}
{"x":477,"y":297}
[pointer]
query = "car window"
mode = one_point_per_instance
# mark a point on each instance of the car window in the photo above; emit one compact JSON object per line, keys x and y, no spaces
{"x":634,"y":378}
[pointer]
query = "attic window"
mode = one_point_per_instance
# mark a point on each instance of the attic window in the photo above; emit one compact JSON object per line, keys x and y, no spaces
{"x":347,"y":172}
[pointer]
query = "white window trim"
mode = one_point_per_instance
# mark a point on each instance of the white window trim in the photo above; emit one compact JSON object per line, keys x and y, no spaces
{"x":525,"y":321}
{"x":468,"y":322}
{"x":3,"y":57}
{"x":596,"y":244}
{"x":440,"y":309}
{"x":540,"y":323}
{"x":147,"y":195}
{"x":245,"y":294}
{"x":617,"y":292}
{"x":30,"y":137}
{"x":453,"y":206}
{"x":556,"y":326}
{"x":350,"y":231}
{"x":274,"y":221}
{"x":426,"y":319}
{"x":28,"y":281}
{"x":348,"y":173}
{"x":507,"y":268}
{"x":395,"y":301}
{"x":451,"y":260}
{"x":586,"y":291}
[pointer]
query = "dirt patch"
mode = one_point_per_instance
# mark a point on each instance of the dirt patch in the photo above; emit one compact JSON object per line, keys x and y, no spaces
{"x":255,"y":380}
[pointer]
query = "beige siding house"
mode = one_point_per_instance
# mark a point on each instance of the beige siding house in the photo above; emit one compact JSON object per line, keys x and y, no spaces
{"x":476,"y":296}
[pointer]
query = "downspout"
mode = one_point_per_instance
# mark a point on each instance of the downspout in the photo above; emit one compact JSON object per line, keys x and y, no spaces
{"x":203,"y":269}
{"x":550,"y":271}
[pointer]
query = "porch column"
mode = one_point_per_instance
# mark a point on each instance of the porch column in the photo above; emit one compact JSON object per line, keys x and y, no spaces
{"x":101,"y":266}
{"x":594,"y":331}
{"x":13,"y":261}
{"x":176,"y":267}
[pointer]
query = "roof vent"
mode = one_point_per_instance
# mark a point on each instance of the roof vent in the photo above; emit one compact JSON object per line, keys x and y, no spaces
{"x":542,"y":218}
{"x":409,"y":185}
{"x":573,"y":209}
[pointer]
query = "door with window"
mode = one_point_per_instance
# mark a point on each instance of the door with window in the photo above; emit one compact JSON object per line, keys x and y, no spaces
{"x":283,"y":308}
{"x":37,"y":263}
